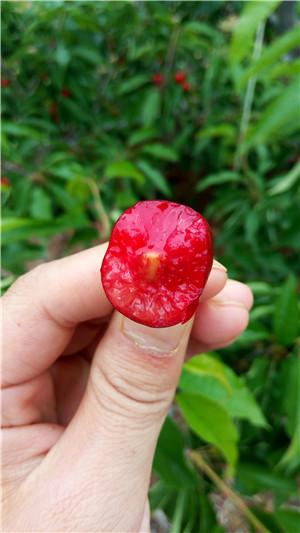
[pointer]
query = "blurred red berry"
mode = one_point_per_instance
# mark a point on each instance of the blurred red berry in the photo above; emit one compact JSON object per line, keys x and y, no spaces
{"x":56,"y":119}
{"x":186,"y":86}
{"x":179,"y":77}
{"x":53,"y":110}
{"x":66,"y":93}
{"x":157,"y":79}
{"x":5,"y":82}
{"x":5,"y":182}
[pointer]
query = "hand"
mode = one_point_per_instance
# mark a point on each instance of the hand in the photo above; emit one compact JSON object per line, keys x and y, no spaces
{"x":86,"y":391}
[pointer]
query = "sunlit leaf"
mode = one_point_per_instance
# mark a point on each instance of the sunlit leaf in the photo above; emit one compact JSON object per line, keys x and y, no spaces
{"x":124,"y":169}
{"x":245,"y":29}
{"x":155,"y":176}
{"x":272,"y":53}
{"x":278,"y":114}
{"x":211,"y":422}
{"x":286,"y":316}
{"x":134,"y":83}
{"x":160,"y":151}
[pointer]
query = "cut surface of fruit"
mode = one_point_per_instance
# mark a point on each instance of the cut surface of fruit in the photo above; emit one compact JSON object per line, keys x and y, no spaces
{"x":157,"y":263}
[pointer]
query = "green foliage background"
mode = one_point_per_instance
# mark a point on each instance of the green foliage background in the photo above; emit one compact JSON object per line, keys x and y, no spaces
{"x":86,"y":132}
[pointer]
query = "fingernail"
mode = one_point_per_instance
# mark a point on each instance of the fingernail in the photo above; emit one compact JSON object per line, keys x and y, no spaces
{"x":219,"y":266}
{"x":155,"y":340}
{"x":221,"y":302}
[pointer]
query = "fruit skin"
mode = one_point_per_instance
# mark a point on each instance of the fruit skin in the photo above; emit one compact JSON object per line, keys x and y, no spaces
{"x":5,"y":182}
{"x":157,"y":263}
{"x":186,"y":86}
{"x":5,"y":82}
{"x":157,"y":79}
{"x":66,"y":93}
{"x":179,"y":77}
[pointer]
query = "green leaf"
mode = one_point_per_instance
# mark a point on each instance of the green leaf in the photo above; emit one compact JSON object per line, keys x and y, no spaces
{"x":278,"y":114}
{"x":221,"y":130}
{"x":54,"y":158}
{"x":62,"y":55}
{"x":151,"y":107}
{"x":88,"y":53}
{"x":291,"y":458}
{"x":135,"y":82}
{"x":156,"y":177}
{"x":205,"y":375}
{"x":286,"y":316}
{"x":124,"y":169}
{"x":15,"y":230}
{"x":6,"y":283}
{"x":125,"y":199}
{"x":288,"y":387}
{"x":209,"y":377}
{"x":254,"y":332}
{"x":160,"y":151}
{"x":67,"y":171}
{"x":253,"y":13}
{"x":218,"y":179}
{"x":260,"y":288}
{"x":79,"y":188}
{"x":268,"y":520}
{"x":286,"y":182}
{"x":181,"y":502}
{"x":211,"y":422}
{"x":20,"y":130}
{"x":272,"y":53}
{"x":257,"y":478}
{"x":252,"y":225}
{"x":284,"y":69}
{"x":141,"y":135}
{"x":170,"y":461}
{"x":261,"y":311}
{"x":41,"y":207}
{"x":159,"y":495}
{"x":199,"y":28}
{"x":289,"y":519}
{"x":241,"y":404}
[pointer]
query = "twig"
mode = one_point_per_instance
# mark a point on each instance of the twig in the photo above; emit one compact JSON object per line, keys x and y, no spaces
{"x":171,"y":51}
{"x":249,"y":94}
{"x":198,"y":460}
{"x":99,"y":208}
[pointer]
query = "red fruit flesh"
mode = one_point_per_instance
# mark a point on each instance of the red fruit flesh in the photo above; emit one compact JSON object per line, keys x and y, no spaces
{"x":157,"y":263}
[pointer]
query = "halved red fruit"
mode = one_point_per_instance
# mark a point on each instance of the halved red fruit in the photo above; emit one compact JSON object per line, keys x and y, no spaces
{"x":157,"y":263}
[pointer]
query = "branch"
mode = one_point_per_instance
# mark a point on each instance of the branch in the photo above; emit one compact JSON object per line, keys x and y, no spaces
{"x":249,"y":94}
{"x":198,"y":460}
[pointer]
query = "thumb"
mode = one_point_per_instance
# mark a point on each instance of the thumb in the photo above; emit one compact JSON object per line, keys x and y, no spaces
{"x":105,"y":455}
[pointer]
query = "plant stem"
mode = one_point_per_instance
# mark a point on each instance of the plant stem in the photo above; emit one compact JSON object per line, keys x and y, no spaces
{"x":248,"y":102}
{"x":198,"y":460}
{"x":99,"y":208}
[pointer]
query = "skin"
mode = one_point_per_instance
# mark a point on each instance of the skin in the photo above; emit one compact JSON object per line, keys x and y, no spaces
{"x":85,"y":392}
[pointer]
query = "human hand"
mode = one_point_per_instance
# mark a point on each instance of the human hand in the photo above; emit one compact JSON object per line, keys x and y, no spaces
{"x":86,"y":391}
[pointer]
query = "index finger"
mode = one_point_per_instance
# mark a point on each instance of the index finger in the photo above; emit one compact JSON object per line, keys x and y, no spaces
{"x":42,"y":309}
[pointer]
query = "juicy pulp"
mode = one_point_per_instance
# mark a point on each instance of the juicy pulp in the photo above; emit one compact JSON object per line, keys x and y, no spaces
{"x":157,"y":263}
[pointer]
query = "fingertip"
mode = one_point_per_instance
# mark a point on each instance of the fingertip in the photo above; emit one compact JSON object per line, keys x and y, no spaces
{"x":238,"y":292}
{"x":216,"y":281}
{"x":217,"y":322}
